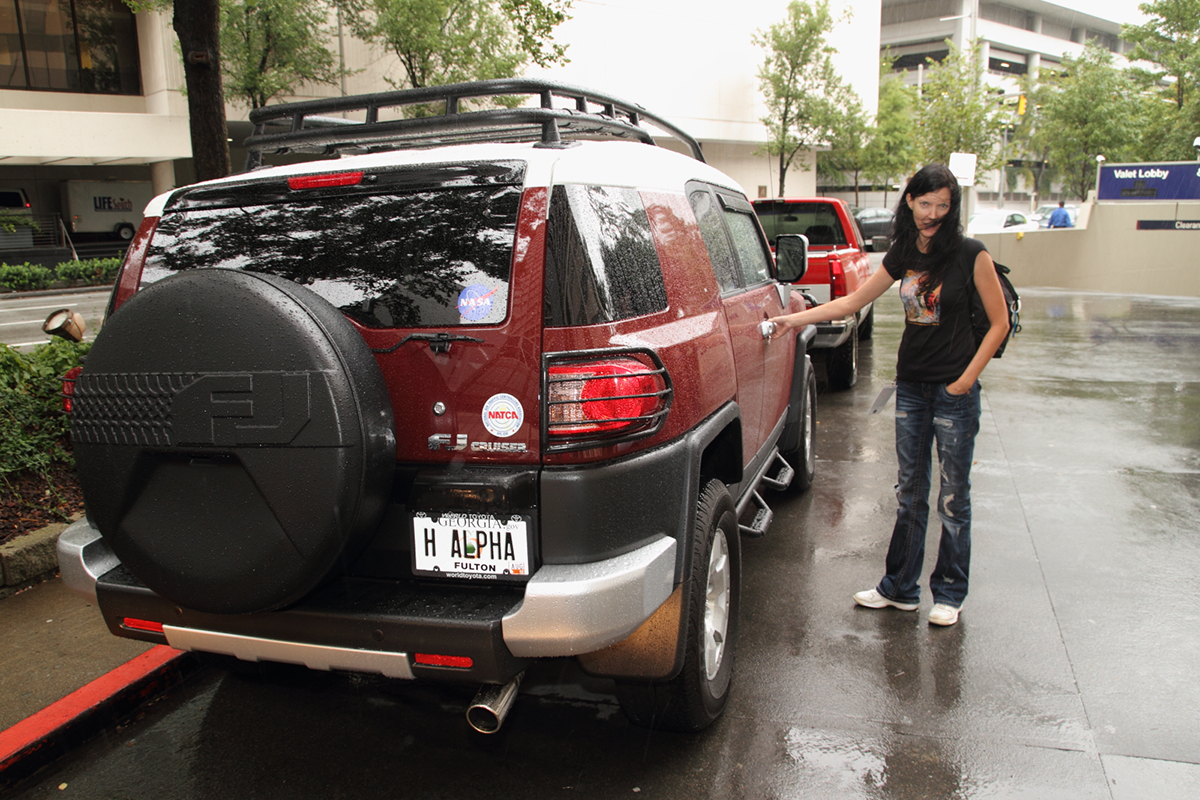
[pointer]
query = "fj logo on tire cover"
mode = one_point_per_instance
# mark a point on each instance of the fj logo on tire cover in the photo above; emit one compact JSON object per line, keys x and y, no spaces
{"x":216,"y":409}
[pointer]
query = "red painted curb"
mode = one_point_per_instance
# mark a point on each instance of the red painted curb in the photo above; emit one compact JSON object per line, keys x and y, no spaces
{"x":47,"y":733}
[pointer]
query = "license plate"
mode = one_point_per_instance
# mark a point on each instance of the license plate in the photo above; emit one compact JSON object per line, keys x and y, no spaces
{"x":474,"y":546}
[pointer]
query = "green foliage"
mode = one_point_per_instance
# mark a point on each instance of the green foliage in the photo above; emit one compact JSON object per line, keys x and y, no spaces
{"x":269,"y":47}
{"x":33,"y":428}
{"x":957,"y":115}
{"x":25,"y":277}
{"x":450,"y":41}
{"x":90,"y":272}
{"x":9,"y":222}
{"x":891,"y":155}
{"x":1089,"y":113}
{"x":807,"y":101}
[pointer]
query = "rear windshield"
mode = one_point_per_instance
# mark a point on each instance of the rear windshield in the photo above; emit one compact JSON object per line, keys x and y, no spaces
{"x":10,"y":199}
{"x":398,"y":257}
{"x":818,"y":221}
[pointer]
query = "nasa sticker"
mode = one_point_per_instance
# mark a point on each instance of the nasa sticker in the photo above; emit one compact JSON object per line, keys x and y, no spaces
{"x":503,"y":415}
{"x":475,"y":302}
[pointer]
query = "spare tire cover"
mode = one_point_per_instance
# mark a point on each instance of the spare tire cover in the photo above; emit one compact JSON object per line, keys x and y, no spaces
{"x":234,"y":439}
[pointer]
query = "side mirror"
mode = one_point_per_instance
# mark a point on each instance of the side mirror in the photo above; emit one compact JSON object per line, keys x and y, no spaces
{"x":791,"y":256}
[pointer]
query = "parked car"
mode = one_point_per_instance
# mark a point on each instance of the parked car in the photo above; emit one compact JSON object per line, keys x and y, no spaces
{"x":874,"y":222}
{"x":1043,"y":212}
{"x":837,"y":265}
{"x":999,"y":220}
{"x":494,"y":386}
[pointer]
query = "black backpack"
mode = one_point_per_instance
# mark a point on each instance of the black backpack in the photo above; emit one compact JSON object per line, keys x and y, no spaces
{"x":979,"y":318}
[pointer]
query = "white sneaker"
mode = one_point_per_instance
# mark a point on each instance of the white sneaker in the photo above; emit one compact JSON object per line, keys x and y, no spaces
{"x":873,"y":599}
{"x":943,"y":614}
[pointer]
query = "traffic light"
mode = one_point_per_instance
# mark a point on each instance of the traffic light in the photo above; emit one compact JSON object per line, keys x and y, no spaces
{"x":1021,"y":106}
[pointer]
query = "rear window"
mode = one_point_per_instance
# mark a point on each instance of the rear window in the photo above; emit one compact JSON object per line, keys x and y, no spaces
{"x":601,"y":263}
{"x":818,"y":221}
{"x":387,"y":256}
{"x":12,"y":199}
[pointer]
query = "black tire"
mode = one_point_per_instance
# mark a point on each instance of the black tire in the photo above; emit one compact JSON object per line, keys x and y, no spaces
{"x":803,"y":458}
{"x":866,"y":326}
{"x":125,"y":232}
{"x":841,"y":364}
{"x":694,"y":698}
{"x":234,"y":439}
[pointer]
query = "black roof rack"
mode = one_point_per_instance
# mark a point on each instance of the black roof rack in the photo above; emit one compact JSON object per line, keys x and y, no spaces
{"x":594,"y":115}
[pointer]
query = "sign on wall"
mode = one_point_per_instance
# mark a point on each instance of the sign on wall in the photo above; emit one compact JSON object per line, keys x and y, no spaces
{"x":1170,"y":180}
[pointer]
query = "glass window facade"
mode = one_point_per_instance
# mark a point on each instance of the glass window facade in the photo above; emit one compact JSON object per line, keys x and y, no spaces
{"x":87,"y":46}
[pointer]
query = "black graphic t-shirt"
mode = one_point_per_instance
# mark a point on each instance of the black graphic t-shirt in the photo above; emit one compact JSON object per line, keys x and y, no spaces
{"x":937,"y":344}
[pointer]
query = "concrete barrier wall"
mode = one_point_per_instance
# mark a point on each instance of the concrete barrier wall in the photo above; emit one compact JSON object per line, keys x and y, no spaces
{"x":1108,"y":255}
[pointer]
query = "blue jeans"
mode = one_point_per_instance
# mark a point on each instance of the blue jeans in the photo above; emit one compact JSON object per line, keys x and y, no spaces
{"x":927,"y":413}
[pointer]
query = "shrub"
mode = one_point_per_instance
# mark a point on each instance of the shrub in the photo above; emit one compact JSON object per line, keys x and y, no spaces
{"x":25,"y":277}
{"x":33,"y":427}
{"x":92,"y":271}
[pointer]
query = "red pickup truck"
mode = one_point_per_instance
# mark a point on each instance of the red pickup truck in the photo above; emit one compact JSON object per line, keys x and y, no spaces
{"x":837,"y":265}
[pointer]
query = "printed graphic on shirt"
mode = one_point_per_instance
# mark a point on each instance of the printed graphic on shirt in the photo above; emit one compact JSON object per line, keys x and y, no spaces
{"x":920,"y":308}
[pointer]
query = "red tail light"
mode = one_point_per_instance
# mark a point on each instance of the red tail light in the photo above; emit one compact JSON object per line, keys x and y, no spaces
{"x":589,"y":402}
{"x":837,"y":277}
{"x":325,"y":181}
{"x":68,"y":387}
{"x":432,"y":660}
{"x":142,"y":625}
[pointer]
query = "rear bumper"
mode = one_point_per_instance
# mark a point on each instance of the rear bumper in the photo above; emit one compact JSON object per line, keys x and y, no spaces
{"x":833,"y":334}
{"x":372,"y":625}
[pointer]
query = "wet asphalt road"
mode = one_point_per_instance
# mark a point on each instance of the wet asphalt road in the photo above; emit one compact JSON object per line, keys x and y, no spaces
{"x":1072,"y":673}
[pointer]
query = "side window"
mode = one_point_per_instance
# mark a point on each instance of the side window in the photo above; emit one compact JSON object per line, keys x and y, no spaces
{"x":601,"y":262}
{"x":751,"y":251}
{"x":720,"y":253}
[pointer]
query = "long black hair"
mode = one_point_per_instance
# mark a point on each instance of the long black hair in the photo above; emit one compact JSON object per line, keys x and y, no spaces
{"x":945,"y":245}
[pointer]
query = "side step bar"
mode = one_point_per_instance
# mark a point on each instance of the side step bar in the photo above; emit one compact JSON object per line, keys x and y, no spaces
{"x":781,"y":479}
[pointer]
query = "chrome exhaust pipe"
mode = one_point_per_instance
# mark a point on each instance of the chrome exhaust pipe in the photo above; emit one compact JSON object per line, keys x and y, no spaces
{"x":492,"y":704}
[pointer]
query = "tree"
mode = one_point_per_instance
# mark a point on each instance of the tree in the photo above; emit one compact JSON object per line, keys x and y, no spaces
{"x":1091,"y":113}
{"x":269,"y":47}
{"x":806,"y":99}
{"x":449,"y":41}
{"x":892,"y":151}
{"x":956,"y":114}
{"x":1031,"y":135}
{"x":847,"y":148}
{"x":1170,"y":40}
{"x":197,"y":24}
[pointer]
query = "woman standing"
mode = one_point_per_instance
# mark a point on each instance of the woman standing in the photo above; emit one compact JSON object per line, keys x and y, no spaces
{"x":937,"y":384}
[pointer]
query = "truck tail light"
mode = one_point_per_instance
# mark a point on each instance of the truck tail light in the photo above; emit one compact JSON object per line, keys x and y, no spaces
{"x":837,"y":277}
{"x":603,"y":398}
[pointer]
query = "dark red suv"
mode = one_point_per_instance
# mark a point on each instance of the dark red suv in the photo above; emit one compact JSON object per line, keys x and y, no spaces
{"x":492,"y":386}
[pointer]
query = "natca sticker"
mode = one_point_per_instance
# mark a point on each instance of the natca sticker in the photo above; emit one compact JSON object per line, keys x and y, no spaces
{"x":475,"y":302}
{"x":503,"y":415}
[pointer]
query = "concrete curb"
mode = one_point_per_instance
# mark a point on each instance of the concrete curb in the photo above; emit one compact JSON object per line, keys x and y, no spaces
{"x":29,"y":559}
{"x":57,"y":729}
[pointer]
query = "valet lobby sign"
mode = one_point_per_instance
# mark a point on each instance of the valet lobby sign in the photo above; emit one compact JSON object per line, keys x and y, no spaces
{"x":1168,"y":181}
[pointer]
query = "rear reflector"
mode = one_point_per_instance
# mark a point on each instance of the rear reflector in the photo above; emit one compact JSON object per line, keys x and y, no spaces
{"x":142,"y":625}
{"x":431,"y":660}
{"x":324,"y":181}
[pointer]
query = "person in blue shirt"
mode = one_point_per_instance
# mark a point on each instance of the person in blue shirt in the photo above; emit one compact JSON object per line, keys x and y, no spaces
{"x":1060,"y":218}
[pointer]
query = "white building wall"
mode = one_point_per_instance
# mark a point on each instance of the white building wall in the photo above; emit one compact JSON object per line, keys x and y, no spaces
{"x":67,"y":129}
